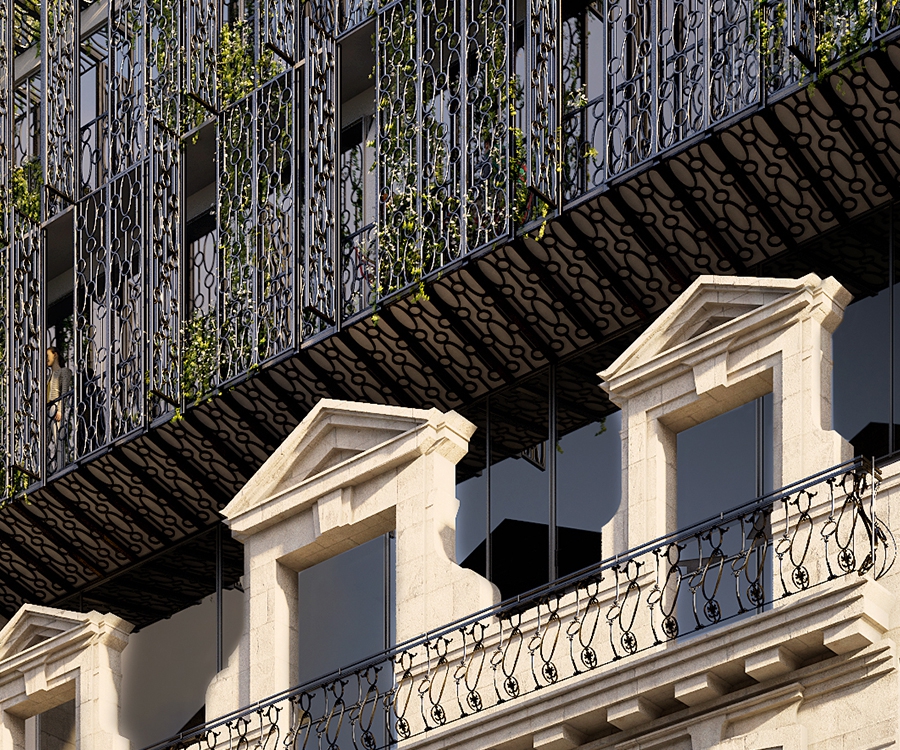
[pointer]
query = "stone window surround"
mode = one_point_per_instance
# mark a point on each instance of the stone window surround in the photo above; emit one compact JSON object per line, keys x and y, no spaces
{"x":725,"y":342}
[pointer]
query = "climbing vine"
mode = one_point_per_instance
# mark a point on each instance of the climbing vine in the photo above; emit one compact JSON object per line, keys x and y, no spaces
{"x":212,"y":350}
{"x":840,"y":28}
{"x":26,"y":183}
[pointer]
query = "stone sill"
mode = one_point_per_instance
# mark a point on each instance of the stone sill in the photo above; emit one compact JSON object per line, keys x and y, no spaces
{"x":837,"y":618}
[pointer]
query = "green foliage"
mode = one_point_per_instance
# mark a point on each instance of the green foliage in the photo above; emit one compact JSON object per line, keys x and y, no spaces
{"x":238,"y":73}
{"x":26,"y":183}
{"x":200,"y":358}
{"x":843,"y":28}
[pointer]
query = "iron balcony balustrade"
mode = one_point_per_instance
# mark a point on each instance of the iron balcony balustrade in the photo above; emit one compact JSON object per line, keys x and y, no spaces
{"x":488,"y":241}
{"x":733,"y":566}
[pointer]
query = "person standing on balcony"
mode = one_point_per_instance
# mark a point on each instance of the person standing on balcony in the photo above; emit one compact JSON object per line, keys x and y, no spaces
{"x":59,"y":385}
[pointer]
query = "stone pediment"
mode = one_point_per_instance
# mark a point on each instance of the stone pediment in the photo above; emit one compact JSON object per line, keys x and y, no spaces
{"x":705,"y":310}
{"x":34,"y":624}
{"x":332,"y":435}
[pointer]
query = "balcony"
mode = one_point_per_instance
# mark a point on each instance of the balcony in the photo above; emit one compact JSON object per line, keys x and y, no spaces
{"x":771,"y":589}
{"x":216,"y":255}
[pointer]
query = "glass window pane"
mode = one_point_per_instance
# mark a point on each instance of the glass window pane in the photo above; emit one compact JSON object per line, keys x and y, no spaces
{"x":588,"y":490}
{"x":861,"y":379}
{"x":717,"y":465}
{"x":520,"y":487}
{"x":471,"y":491}
{"x":343,"y":609}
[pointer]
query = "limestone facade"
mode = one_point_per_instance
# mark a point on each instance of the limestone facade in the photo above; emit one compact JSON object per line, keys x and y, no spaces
{"x":816,"y":670}
{"x":49,"y":657}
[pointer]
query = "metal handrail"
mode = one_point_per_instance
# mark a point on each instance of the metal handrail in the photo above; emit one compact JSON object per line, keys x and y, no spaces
{"x":864,"y":545}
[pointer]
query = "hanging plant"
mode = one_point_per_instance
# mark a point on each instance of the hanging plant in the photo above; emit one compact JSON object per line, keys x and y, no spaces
{"x":26,"y":183}
{"x":237,"y":70}
{"x":200,"y":358}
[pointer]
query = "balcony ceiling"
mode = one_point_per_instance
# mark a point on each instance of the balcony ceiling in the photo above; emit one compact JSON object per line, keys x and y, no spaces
{"x":774,"y":193}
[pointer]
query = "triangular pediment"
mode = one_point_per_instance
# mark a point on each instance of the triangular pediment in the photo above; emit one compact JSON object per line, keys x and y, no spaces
{"x":711,"y":303}
{"x":332,"y":434}
{"x":33,"y":625}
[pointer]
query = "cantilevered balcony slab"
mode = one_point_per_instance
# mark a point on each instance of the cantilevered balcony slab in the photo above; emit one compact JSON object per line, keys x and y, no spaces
{"x":697,"y":685}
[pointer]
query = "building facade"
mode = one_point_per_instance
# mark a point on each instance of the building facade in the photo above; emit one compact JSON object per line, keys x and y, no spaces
{"x":217,"y":214}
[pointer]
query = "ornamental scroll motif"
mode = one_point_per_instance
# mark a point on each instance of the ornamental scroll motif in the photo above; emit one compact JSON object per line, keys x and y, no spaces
{"x":278,"y":28}
{"x":164,"y":61}
{"x":630,"y":95}
{"x":494,"y":165}
{"x":681,"y":63}
{"x":320,"y":224}
{"x":28,"y":387}
{"x":164,"y":324}
{"x":202,"y":42}
{"x":237,"y":240}
{"x":733,"y":58}
{"x":125,"y":289}
{"x":542,"y":107}
{"x":6,"y":140}
{"x":91,"y":315}
{"x":127,"y":85}
{"x":275,"y":212}
{"x":60,"y":42}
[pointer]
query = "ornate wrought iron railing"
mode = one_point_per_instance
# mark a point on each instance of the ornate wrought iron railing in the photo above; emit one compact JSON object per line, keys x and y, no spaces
{"x":745,"y":561}
{"x":485,"y":120}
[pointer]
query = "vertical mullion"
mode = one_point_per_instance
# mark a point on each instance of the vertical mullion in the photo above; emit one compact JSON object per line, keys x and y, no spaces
{"x":462,"y":19}
{"x":420,"y":138}
{"x":551,"y":476}
{"x":7,"y":118}
{"x":255,"y":210}
{"x":488,"y":551}
{"x":891,"y":353}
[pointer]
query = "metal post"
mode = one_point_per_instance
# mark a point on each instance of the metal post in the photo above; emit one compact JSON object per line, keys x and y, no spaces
{"x":488,"y":551}
{"x":551,"y":472}
{"x":219,"y":645}
{"x":891,"y":352}
{"x":872,"y":531}
{"x":760,"y":447}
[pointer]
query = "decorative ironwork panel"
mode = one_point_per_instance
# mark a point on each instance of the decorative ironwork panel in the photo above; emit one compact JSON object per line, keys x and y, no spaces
{"x":733,"y":63}
{"x":402,"y":147}
{"x":583,"y":129}
{"x":92,"y":324}
{"x":164,"y":61}
{"x":630,"y":86}
{"x":7,"y":68}
{"x":358,"y":257}
{"x":355,"y":12}
{"x":320,"y":225}
{"x":681,"y":68}
{"x":238,"y":231}
{"x":275,"y":212}
{"x":60,"y":43}
{"x":165,"y":277}
{"x":492,"y":162}
{"x":125,"y":289}
{"x":127,"y":84}
{"x":7,"y":63}
{"x":94,"y":146}
{"x":785,"y":29}
{"x":887,"y":16}
{"x":542,"y":106}
{"x":278,"y":28}
{"x":441,"y":147}
{"x":26,"y":22}
{"x":202,"y":42}
{"x":357,"y":188}
{"x":28,"y":372}
{"x":574,"y":67}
